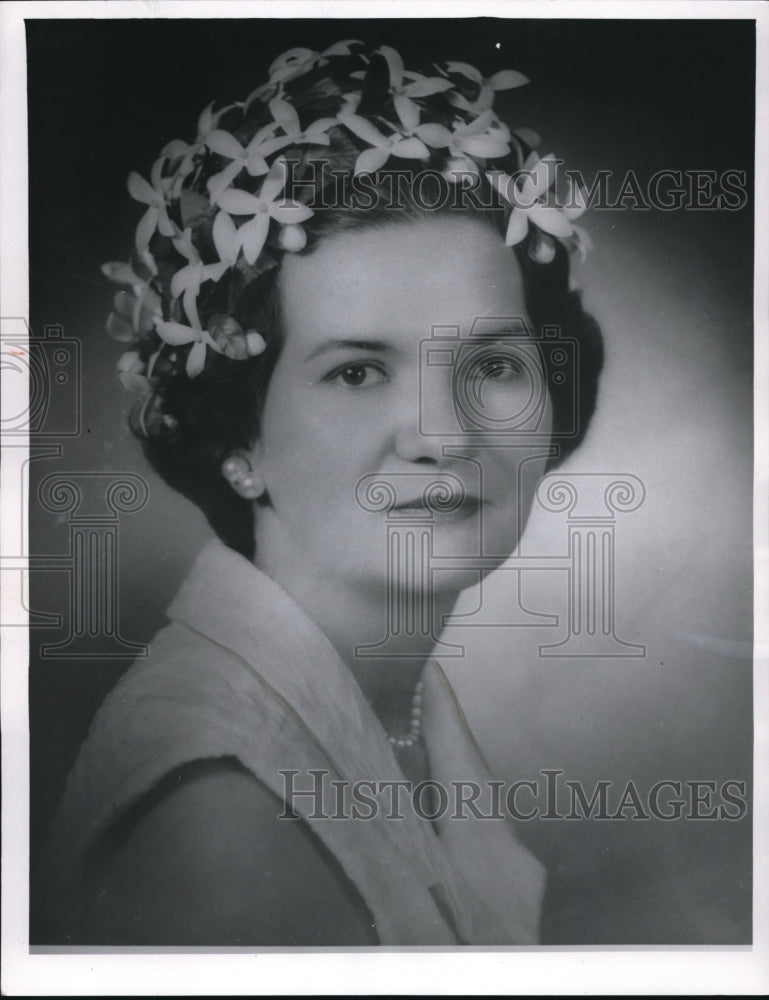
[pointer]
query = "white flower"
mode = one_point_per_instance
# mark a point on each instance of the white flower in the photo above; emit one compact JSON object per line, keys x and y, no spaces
{"x":477,"y":138}
{"x":250,"y":158}
{"x":131,"y":372}
{"x":188,"y":279}
{"x":176,"y":334}
{"x":405,"y":85}
{"x":252,"y":235}
{"x":285,"y":116}
{"x":382,"y":146}
{"x":505,"y":79}
{"x":156,"y":196}
{"x":176,"y":148}
{"x":526,"y":195}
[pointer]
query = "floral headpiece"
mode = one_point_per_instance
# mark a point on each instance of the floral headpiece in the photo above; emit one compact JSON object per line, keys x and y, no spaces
{"x":216,"y":215}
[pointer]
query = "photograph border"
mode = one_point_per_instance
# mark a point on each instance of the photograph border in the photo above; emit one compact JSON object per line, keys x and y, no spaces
{"x":193,"y":971}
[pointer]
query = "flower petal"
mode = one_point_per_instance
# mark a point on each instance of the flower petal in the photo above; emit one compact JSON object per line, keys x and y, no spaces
{"x":135,"y":382}
{"x":465,"y":69}
{"x":543,"y":177}
{"x":224,"y":144}
{"x":253,"y":235}
{"x":190,"y":304}
{"x":130,"y":362}
{"x":270,"y":146}
{"x":149,"y":309}
{"x":175,"y":333}
{"x":411,"y":149}
{"x":120,"y":272}
{"x":146,"y":229}
{"x":225,"y":236}
{"x":322,"y":125}
{"x":394,"y":64}
{"x":485,"y":99}
{"x":460,"y":170}
{"x":123,"y":303}
{"x":183,"y":245}
{"x":238,"y":202}
{"x":427,"y":85}
{"x":433,"y":134}
{"x":214,"y":272}
{"x":371,"y":160}
{"x":528,"y":135}
{"x":256,"y":164}
{"x":364,"y":130}
{"x":484,"y":145}
{"x":459,"y":101}
{"x":506,"y":79}
{"x":119,"y":328}
{"x":517,"y":227}
{"x":156,"y":174}
{"x":275,"y":180}
{"x":291,"y":63}
{"x":144,"y":309}
{"x":175,"y":148}
{"x":140,"y":190}
{"x":407,"y":111}
{"x":478,"y":126}
{"x":221,"y":181}
{"x":183,"y":279}
{"x":165,"y":226}
{"x":285,"y":115}
{"x":196,"y":359}
{"x":290,"y":213}
{"x":550,"y":220}
{"x":341,"y":48}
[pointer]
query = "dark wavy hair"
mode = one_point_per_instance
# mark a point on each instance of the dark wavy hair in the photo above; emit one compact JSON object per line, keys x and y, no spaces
{"x":206,"y":418}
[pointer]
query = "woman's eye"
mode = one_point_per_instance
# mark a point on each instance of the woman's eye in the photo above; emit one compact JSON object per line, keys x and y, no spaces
{"x":499,"y":368}
{"x":357,"y":376}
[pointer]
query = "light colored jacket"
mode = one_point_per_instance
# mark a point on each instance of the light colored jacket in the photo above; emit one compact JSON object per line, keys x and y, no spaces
{"x":242,"y":672}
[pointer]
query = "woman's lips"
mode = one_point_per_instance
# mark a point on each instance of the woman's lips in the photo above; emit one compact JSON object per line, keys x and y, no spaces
{"x":443,"y":508}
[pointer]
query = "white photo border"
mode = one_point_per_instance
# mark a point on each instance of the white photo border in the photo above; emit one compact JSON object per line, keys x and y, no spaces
{"x":544,"y":970}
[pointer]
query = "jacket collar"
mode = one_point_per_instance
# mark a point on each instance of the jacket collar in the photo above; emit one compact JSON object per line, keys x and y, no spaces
{"x":493,"y":884}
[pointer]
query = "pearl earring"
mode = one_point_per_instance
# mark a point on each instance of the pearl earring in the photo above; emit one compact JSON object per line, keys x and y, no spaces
{"x":242,"y":478}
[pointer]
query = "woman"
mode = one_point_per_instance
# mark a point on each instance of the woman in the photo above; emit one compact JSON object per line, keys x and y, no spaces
{"x":295,"y":272}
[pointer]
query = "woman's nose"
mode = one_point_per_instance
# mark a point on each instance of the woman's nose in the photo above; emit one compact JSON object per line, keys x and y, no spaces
{"x":426,"y":422}
{"x":411,"y":445}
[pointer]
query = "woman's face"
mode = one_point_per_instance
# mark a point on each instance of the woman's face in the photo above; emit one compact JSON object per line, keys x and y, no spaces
{"x":356,"y":392}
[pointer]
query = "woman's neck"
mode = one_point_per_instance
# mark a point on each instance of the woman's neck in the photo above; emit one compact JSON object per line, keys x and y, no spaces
{"x":355,"y":618}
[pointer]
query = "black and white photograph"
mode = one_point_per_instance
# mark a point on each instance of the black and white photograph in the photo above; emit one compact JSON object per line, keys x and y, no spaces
{"x":378,"y":493}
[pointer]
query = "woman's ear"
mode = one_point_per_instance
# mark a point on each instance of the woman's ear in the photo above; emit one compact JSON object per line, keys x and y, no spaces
{"x":238,"y":471}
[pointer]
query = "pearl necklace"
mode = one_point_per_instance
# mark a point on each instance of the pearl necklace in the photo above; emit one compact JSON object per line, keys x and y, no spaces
{"x":412,"y":736}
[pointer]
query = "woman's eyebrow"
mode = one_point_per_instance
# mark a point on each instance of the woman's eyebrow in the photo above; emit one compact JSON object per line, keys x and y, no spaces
{"x":359,"y":345}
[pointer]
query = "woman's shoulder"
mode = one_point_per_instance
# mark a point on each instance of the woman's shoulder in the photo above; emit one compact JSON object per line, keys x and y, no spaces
{"x":189,"y":697}
{"x":209,"y":856}
{"x":189,"y":700}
